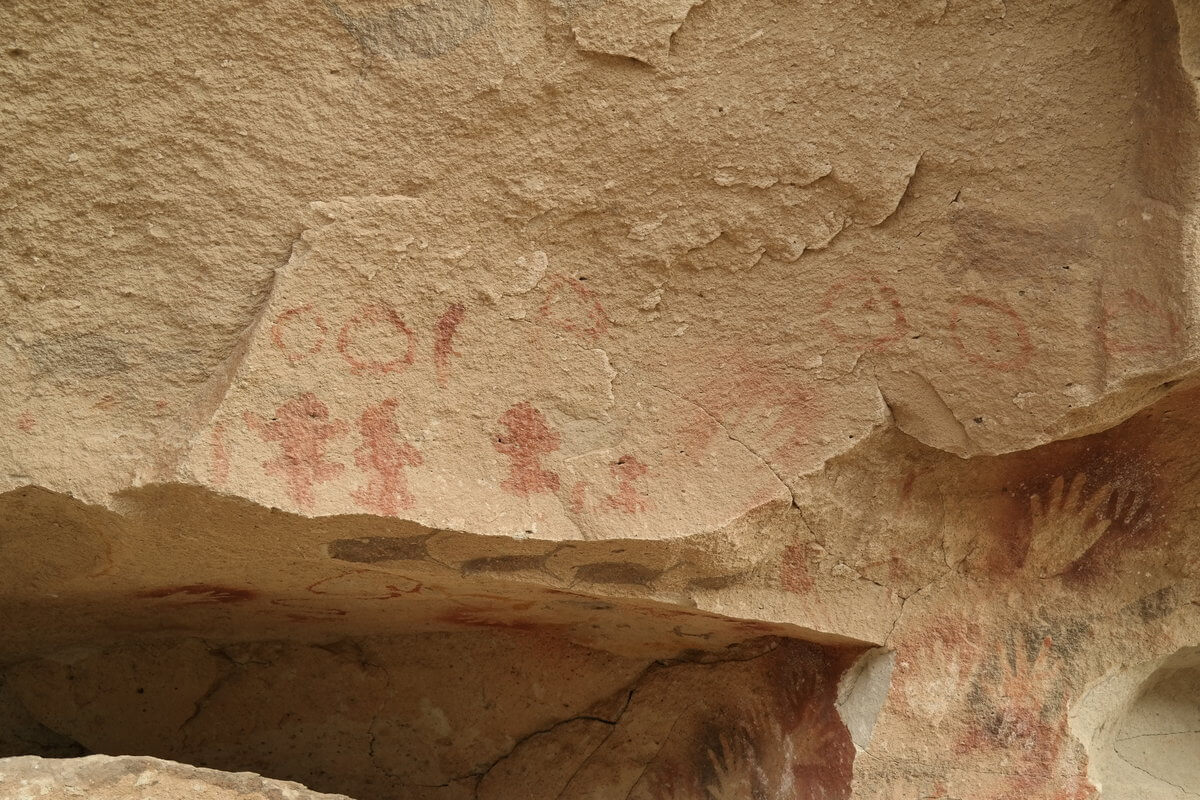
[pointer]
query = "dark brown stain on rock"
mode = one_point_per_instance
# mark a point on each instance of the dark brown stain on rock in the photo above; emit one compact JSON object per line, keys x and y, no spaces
{"x":995,"y":244}
{"x":373,"y":549}
{"x":617,"y":572}
{"x":510,"y":563}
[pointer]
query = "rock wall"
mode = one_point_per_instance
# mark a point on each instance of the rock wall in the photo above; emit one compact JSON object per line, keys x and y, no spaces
{"x":138,"y":778}
{"x":472,"y":400}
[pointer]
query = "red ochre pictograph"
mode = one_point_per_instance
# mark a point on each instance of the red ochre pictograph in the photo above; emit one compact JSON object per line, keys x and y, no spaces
{"x":794,"y":574}
{"x":302,"y":429}
{"x":579,"y":497}
{"x":573,"y":307}
{"x":366,"y":584}
{"x":875,"y":305}
{"x":384,"y":455}
{"x":527,"y":438}
{"x":199,"y":594}
{"x":1132,"y":323}
{"x":293,"y":319}
{"x":220,"y":454}
{"x":1000,"y":339}
{"x":443,"y":342}
{"x":361,"y":360}
{"x":628,"y":470}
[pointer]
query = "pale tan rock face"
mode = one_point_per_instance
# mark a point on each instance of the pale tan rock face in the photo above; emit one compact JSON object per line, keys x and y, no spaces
{"x":601,"y":399}
{"x":134,"y":778}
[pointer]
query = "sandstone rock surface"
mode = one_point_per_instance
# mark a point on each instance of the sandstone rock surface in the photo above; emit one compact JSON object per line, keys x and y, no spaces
{"x":137,"y":778}
{"x":658,"y":400}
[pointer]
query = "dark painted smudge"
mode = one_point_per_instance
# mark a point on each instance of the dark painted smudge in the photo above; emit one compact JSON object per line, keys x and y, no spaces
{"x":617,"y":572}
{"x":199,"y":593}
{"x":372,"y":549}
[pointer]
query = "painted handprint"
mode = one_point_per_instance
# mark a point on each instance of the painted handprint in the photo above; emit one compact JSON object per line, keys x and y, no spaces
{"x":933,"y":667}
{"x":1130,"y":510}
{"x":1021,"y":697}
{"x":733,"y":769}
{"x":1067,"y":523}
{"x":1019,"y":701}
{"x":1018,"y":705}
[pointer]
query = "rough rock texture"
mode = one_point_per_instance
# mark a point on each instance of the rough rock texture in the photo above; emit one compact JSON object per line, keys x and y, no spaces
{"x":138,"y":778}
{"x":658,"y":400}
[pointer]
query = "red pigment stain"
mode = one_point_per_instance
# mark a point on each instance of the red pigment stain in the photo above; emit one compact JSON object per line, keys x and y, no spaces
{"x":804,"y":683}
{"x":762,"y":401}
{"x":200,"y":593}
{"x":907,"y":486}
{"x":947,"y":647}
{"x":879,"y":299}
{"x":376,"y":315}
{"x":696,"y":433}
{"x":796,"y":418}
{"x":579,"y":497}
{"x":627,"y":471}
{"x":527,"y":439}
{"x":279,"y":328}
{"x":384,"y":454}
{"x":579,"y":312}
{"x":1011,"y":712}
{"x":508,"y":602}
{"x":756,"y":627}
{"x":302,"y":429}
{"x":1159,"y":327}
{"x":793,"y":572}
{"x":825,"y":761}
{"x":672,"y":778}
{"x":106,"y":403}
{"x":1125,"y":462}
{"x":1012,"y":339}
{"x":26,"y":422}
{"x":220,"y":454}
{"x":162,"y":405}
{"x":301,"y":611}
{"x":366,"y":584}
{"x":897,"y":566}
{"x":443,"y":342}
{"x":489,"y":618}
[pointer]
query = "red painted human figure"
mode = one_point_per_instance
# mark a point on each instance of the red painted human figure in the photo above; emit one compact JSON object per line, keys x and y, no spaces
{"x":384,"y":456}
{"x":302,"y":429}
{"x":527,"y":438}
{"x":627,"y":498}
